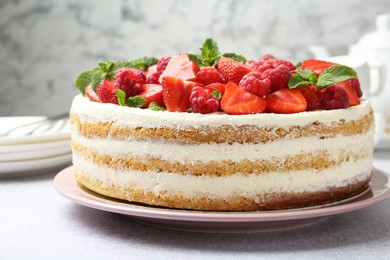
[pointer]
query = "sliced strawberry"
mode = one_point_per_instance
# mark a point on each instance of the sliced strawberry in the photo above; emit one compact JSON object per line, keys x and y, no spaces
{"x":238,"y":101}
{"x":216,"y":86}
{"x":313,"y":100}
{"x":152,"y":93}
{"x":232,"y":70}
{"x":176,"y":93}
{"x":353,"y":99}
{"x":317,"y":66}
{"x":180,"y":67}
{"x":152,"y":69}
{"x":286,"y":101}
{"x":106,"y":92}
{"x":91,"y":94}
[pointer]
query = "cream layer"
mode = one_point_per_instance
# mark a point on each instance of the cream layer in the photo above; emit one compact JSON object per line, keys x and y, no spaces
{"x":250,"y":186}
{"x":205,"y":152}
{"x":94,"y":112}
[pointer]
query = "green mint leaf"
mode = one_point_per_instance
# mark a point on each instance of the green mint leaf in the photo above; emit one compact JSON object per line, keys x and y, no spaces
{"x":209,"y":49}
{"x":142,"y":63}
{"x":136,"y":101}
{"x":306,"y":74}
{"x":97,"y":77}
{"x":236,"y":57}
{"x":217,"y":94}
{"x":195,"y":58}
{"x":333,"y":74}
{"x":299,"y":64}
{"x":296,"y":81}
{"x":156,"y":107}
{"x":84,"y":80}
{"x":121,"y":95}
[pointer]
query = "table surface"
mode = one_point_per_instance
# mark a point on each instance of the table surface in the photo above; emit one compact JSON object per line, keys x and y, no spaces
{"x":37,"y":222}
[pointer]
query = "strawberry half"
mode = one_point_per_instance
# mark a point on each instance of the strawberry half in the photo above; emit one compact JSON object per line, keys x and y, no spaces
{"x":232,"y":70}
{"x":152,"y":69}
{"x":238,"y":101}
{"x":176,"y":93}
{"x":106,"y":92}
{"x":152,"y":93}
{"x":180,"y":67}
{"x":91,"y":94}
{"x":286,"y":101}
{"x":317,"y":66}
{"x":313,"y":100}
{"x":216,"y":86}
{"x":353,"y":99}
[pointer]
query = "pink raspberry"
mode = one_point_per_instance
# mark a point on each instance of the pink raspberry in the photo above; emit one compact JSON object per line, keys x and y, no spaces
{"x":153,"y":78}
{"x":277,"y":62}
{"x":202,"y":101}
{"x":208,"y":75}
{"x":130,"y":81}
{"x":254,"y":83}
{"x":267,"y":57}
{"x":260,"y":65}
{"x":278,"y":76}
{"x":162,"y":64}
{"x":106,"y":92}
{"x":355,"y":84}
{"x":334,"y":97}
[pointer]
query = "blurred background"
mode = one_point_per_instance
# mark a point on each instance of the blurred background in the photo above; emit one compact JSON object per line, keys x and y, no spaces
{"x":45,"y":44}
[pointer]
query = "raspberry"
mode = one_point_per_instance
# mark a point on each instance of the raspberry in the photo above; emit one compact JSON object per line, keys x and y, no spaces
{"x":277,"y":62}
{"x":334,"y":97}
{"x":162,"y":64}
{"x":202,"y":101}
{"x":208,"y":75}
{"x":130,"y":81}
{"x":279,"y":77}
{"x":106,"y":92}
{"x":260,"y":65}
{"x":267,"y":57}
{"x":355,"y":84}
{"x":312,"y":99}
{"x":153,"y":78}
{"x":254,"y":83}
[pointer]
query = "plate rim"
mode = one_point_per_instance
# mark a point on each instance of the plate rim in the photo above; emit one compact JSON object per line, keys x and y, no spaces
{"x":75,"y":194}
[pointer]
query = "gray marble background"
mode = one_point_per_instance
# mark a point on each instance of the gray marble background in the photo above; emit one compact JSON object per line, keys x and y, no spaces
{"x":45,"y":44}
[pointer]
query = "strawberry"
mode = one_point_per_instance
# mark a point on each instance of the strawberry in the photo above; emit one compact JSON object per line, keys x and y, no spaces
{"x":216,"y":86}
{"x":317,"y":66}
{"x":106,"y":92}
{"x":238,"y":101}
{"x":152,"y":93}
{"x":152,"y":69}
{"x":176,"y":93}
{"x":286,"y":101}
{"x":313,"y":100}
{"x":91,"y":94}
{"x":232,"y":70}
{"x":353,"y":99}
{"x":180,"y":67}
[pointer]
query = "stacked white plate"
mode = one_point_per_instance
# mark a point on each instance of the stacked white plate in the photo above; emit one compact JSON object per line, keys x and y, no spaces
{"x":24,"y":153}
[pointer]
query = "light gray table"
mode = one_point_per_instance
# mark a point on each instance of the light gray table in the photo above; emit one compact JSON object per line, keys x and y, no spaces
{"x":38,"y":223}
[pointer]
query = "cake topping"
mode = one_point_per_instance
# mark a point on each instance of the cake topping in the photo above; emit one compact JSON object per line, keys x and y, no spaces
{"x":196,"y":83}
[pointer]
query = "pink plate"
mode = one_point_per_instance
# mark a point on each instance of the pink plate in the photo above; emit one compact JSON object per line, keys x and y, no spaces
{"x":215,"y":221}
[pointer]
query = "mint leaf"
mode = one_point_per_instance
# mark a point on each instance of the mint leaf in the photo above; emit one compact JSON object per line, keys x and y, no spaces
{"x":156,"y":107}
{"x":142,"y":63}
{"x":333,"y":74}
{"x":84,"y":80}
{"x":196,"y":58}
{"x":136,"y":101}
{"x":236,"y":57}
{"x":121,"y":95}
{"x":209,"y":52}
{"x":306,"y":74}
{"x":217,"y":94}
{"x":296,"y":81}
{"x":299,"y":64}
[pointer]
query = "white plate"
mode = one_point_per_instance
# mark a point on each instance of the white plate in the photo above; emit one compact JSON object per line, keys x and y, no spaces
{"x":21,"y":148}
{"x":18,"y":137}
{"x":35,"y":154}
{"x":9,"y":168}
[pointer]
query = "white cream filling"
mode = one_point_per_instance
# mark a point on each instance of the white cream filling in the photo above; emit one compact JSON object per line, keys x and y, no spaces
{"x":250,"y":186}
{"x":95,"y":112}
{"x":205,"y":152}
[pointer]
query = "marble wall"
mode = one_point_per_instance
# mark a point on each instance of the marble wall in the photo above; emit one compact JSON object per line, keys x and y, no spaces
{"x":44,"y":44}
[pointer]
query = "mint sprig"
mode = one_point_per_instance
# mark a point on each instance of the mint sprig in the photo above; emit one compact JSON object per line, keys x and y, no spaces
{"x":329,"y":76}
{"x":136,"y":101}
{"x":156,"y":107}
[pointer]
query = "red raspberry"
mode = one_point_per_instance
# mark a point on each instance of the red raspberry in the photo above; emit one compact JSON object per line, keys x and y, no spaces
{"x":279,"y":77}
{"x":106,"y":92}
{"x":162,"y":64}
{"x":254,"y":83}
{"x":130,"y":81}
{"x":260,"y":65}
{"x":312,"y":99}
{"x":277,"y":62}
{"x":208,"y":75}
{"x":355,"y":84}
{"x":267,"y":57}
{"x":202,"y":101}
{"x":153,"y":78}
{"x":334,"y":97}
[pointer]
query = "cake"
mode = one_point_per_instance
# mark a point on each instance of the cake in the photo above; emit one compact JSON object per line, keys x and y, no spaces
{"x":263,"y":142}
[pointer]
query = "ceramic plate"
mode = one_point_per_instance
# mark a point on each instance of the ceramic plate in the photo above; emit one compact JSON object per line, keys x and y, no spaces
{"x":40,"y":135}
{"x":35,"y":154}
{"x":14,"y":168}
{"x":22,"y":148}
{"x":212,"y":221}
